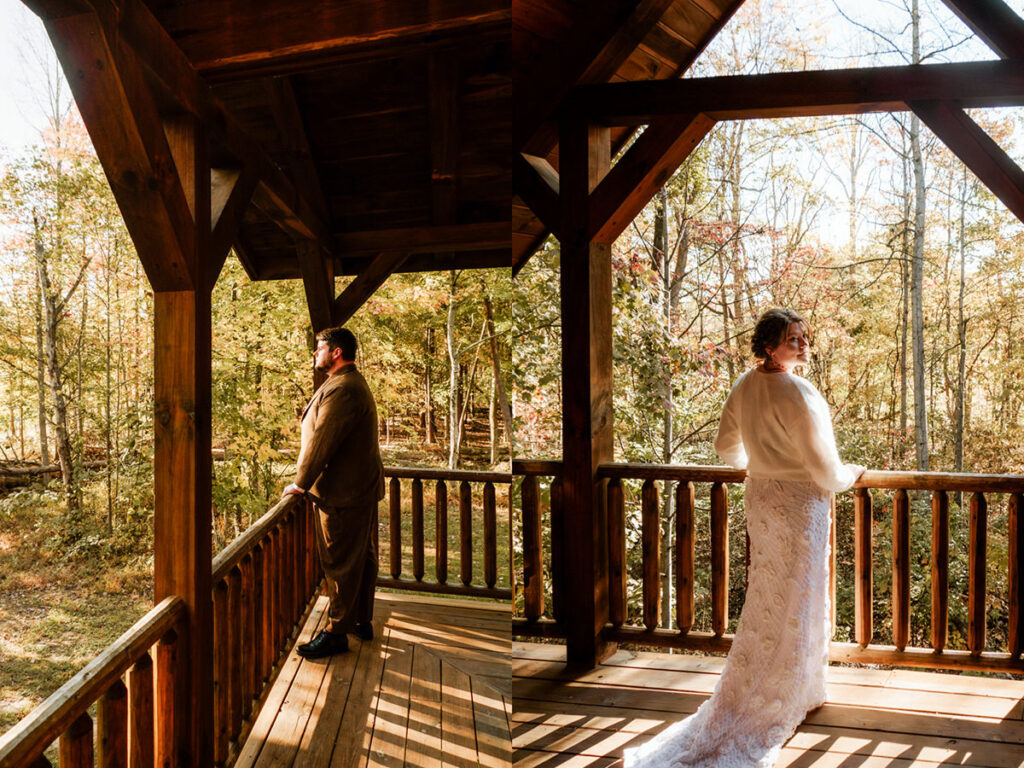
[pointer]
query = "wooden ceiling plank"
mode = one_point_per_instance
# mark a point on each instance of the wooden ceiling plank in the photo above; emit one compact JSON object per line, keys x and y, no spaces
{"x":318,"y":282}
{"x":365,"y":285}
{"x":128,"y":135}
{"x":995,"y":22}
{"x":536,"y":182}
{"x":797,"y":94}
{"x":976,"y":150}
{"x":226,"y":218}
{"x":288,"y":118}
{"x":642,"y":171}
{"x":600,"y":43}
{"x":443,"y":79}
{"x":447,"y":237}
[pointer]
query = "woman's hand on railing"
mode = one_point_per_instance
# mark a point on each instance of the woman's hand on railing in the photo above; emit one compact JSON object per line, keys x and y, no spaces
{"x":292,"y":490}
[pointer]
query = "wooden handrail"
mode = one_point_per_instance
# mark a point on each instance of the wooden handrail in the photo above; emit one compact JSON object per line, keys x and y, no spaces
{"x":30,"y":737}
{"x":462,"y":475}
{"x":236,"y":551}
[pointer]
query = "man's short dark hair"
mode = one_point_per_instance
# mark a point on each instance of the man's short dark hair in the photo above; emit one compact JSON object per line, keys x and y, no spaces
{"x":340,"y":338}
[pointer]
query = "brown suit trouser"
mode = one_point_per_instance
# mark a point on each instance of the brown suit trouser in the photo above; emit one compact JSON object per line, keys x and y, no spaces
{"x":348,"y":554}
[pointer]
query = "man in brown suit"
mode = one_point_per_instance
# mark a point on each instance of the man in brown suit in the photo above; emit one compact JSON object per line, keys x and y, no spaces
{"x":339,"y":466}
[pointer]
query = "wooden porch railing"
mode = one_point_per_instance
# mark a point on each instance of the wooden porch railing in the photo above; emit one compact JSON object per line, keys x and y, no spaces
{"x":470,"y":581}
{"x":262,"y":583}
{"x":978,"y":655}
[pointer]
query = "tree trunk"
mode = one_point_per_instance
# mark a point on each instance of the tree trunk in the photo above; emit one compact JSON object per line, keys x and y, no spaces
{"x":917,"y":276}
{"x":50,"y":322}
{"x":44,"y":443}
{"x":428,"y":403}
{"x":454,"y":433}
{"x":665,"y":385}
{"x":499,"y":381}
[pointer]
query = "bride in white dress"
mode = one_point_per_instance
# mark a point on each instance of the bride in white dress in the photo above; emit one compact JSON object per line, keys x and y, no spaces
{"x":777,"y":426}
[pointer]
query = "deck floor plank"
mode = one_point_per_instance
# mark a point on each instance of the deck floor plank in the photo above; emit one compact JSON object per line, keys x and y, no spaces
{"x":433,"y":684}
{"x":875,"y":717}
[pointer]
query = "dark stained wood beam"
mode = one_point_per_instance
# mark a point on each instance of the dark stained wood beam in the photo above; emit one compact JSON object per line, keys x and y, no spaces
{"x":976,"y":150}
{"x":601,"y":41}
{"x":586,"y":309}
{"x":443,"y":105}
{"x":230,"y":195}
{"x":646,"y":166}
{"x":433,"y":262}
{"x":994,"y":22}
{"x":182,"y":465}
{"x":181,"y":88}
{"x":269,"y":38}
{"x":128,"y":134}
{"x":365,"y":284}
{"x":292,"y":130}
{"x":447,"y":237}
{"x":318,"y":281}
{"x":536,"y":182}
{"x":802,"y":94}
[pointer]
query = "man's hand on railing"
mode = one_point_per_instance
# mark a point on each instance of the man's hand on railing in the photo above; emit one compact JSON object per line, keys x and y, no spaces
{"x":292,"y":490}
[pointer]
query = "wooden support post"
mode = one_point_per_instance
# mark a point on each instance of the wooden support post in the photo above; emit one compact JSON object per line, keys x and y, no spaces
{"x":586,"y":290}
{"x":182,"y":464}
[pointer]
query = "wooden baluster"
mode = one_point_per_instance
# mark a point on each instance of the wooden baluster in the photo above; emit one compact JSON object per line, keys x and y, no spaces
{"x":719,"y":558}
{"x":441,"y":531}
{"x":557,"y":553}
{"x":170,"y":702}
{"x":862,"y":566}
{"x":940,"y":569}
{"x":1015,"y":552}
{"x":282,"y":620}
{"x":298,"y":566}
{"x":832,"y":570}
{"x":901,"y":569}
{"x":490,"y":536}
{"x":533,"y":569}
{"x":235,"y":652}
{"x":417,"y":529}
{"x":395,"y":527}
{"x":259,"y":605}
{"x":112,"y":726}
{"x":312,"y":558}
{"x":651,"y":553}
{"x":289,"y":614}
{"x":269,"y":606}
{"x":221,"y":652}
{"x":616,"y":553}
{"x":976,"y":569}
{"x":140,"y":713}
{"x":247,"y":636}
{"x":684,"y":551}
{"x":466,"y":533}
{"x":76,"y":744}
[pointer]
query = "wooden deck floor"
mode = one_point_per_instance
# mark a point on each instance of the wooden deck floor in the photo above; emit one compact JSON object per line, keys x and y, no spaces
{"x":431,"y":689}
{"x":875,"y":717}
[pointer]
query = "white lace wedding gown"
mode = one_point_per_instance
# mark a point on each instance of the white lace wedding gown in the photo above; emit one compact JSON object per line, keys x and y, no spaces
{"x":775,"y":671}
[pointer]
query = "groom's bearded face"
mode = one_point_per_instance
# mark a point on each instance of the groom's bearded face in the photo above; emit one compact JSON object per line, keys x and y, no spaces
{"x":323,"y":358}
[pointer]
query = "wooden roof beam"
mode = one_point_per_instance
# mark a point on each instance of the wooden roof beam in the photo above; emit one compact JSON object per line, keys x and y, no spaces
{"x":128,"y":134}
{"x":994,"y":22}
{"x":646,"y":166}
{"x":446,"y":237}
{"x":432,"y":262}
{"x":537,"y":183}
{"x":292,"y":128}
{"x":365,"y":285}
{"x":601,"y":42}
{"x":318,"y":281}
{"x":131,"y":21}
{"x":316,"y":34}
{"x":231,"y":194}
{"x":976,"y":150}
{"x":801,"y":94}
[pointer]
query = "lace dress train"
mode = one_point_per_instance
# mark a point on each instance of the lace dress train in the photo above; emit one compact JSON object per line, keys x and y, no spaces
{"x":775,"y":671}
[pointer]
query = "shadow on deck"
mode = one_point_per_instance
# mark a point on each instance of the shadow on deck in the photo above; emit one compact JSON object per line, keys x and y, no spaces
{"x":433,"y":687}
{"x":875,"y":717}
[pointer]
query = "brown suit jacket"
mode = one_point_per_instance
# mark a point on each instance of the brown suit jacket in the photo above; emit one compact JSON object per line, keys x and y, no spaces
{"x":339,"y":462}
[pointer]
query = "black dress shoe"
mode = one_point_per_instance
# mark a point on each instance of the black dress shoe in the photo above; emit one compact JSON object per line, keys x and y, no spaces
{"x":324,"y":644}
{"x":364,"y":630}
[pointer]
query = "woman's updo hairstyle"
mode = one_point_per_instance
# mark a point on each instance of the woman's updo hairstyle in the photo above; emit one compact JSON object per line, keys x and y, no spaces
{"x":771,"y":328}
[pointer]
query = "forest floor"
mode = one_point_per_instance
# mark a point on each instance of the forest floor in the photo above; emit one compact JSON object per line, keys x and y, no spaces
{"x":57,"y":612}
